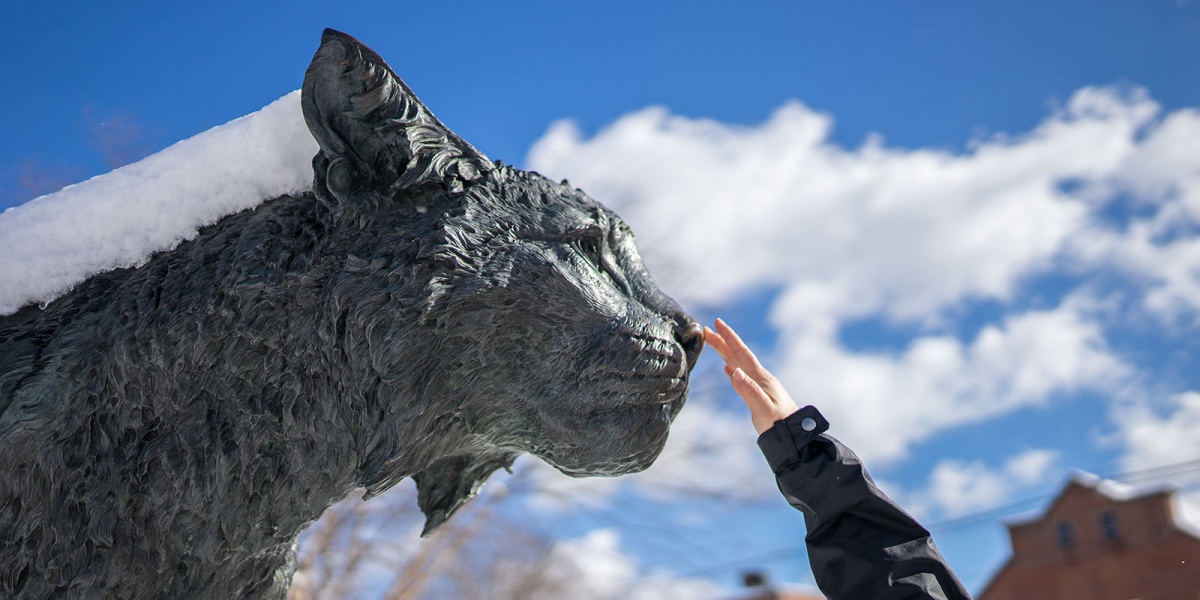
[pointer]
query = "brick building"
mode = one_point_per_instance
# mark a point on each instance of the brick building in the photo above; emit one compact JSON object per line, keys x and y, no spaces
{"x":1100,"y":540}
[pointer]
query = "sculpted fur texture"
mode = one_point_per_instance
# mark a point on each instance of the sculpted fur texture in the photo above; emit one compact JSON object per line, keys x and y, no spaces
{"x":167,"y":431}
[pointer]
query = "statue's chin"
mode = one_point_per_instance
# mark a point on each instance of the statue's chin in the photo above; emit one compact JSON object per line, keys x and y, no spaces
{"x":628,"y":447}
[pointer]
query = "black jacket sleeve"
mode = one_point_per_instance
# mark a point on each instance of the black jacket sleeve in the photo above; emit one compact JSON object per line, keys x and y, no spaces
{"x":861,"y":545}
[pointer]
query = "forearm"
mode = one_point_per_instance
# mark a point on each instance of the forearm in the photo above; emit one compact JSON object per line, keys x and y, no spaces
{"x":860,"y":543}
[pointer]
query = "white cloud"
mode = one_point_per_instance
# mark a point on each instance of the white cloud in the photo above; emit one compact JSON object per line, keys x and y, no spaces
{"x":958,"y":487}
{"x":1170,"y":269}
{"x":596,"y":559}
{"x":910,"y":236}
{"x":594,"y":567}
{"x":721,"y":210}
{"x":1164,"y":167}
{"x":1161,"y":248}
{"x":1155,"y":434}
{"x":1160,"y":446}
{"x":1187,"y":510}
{"x":882,"y":403}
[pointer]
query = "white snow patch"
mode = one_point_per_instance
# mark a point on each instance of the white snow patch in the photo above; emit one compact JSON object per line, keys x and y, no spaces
{"x":121,"y":218}
{"x":1116,"y":490}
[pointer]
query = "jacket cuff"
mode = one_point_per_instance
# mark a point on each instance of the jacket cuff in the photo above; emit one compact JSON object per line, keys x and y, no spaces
{"x":781,"y":443}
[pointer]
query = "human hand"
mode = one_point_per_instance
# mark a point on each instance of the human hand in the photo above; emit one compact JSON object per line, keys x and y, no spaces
{"x":763,"y":394}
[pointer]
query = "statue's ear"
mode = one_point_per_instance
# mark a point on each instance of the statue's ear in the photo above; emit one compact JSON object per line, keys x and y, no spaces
{"x":449,"y":482}
{"x":373,"y":130}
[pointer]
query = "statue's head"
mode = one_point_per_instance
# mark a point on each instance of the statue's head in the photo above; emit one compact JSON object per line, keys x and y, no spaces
{"x":550,"y":336}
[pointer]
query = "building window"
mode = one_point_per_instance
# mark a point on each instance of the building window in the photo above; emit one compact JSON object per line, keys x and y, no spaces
{"x":1066,"y":535}
{"x":1108,"y":525}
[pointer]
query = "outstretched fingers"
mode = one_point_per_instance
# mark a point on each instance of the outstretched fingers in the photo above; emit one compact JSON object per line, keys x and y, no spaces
{"x":738,"y":354}
{"x":762,"y":393}
{"x":717,"y":343}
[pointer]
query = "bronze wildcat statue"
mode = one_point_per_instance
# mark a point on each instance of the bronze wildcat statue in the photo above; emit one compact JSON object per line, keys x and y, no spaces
{"x":167,"y":431}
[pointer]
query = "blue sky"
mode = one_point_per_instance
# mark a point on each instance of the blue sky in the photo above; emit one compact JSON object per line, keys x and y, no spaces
{"x":921,"y":74}
{"x":895,"y":140}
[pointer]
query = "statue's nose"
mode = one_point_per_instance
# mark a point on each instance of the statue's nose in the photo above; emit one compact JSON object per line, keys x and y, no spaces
{"x":690,"y":336}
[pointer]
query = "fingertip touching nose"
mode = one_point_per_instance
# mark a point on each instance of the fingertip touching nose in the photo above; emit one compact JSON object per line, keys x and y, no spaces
{"x":690,"y":336}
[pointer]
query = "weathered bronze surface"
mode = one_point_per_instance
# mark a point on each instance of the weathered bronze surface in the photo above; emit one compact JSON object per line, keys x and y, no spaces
{"x":167,"y":431}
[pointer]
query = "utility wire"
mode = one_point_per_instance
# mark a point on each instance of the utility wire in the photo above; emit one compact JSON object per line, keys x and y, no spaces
{"x":1123,"y":477}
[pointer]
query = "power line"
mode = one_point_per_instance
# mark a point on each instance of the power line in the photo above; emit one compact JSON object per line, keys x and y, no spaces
{"x":755,"y":559}
{"x":986,"y":515}
{"x":1123,"y":477}
{"x":1162,"y":471}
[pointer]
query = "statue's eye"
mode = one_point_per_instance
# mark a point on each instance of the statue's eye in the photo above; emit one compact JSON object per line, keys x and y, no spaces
{"x":589,"y":241}
{"x":592,"y":244}
{"x":590,"y":247}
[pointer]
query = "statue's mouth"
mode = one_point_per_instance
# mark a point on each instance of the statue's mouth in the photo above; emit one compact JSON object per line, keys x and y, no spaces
{"x":638,"y":371}
{"x":646,"y":393}
{"x":654,"y":382}
{"x":634,"y":385}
